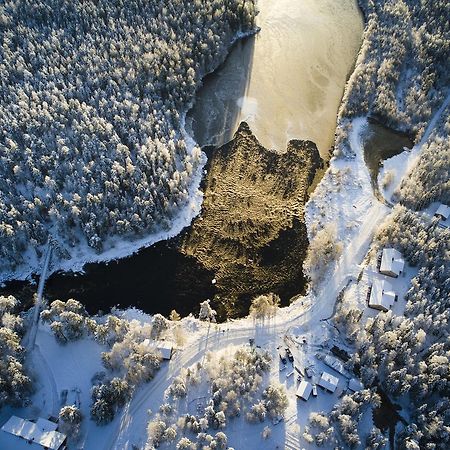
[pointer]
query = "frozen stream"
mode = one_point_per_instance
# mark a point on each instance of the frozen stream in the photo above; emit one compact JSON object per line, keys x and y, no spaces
{"x":288,"y":80}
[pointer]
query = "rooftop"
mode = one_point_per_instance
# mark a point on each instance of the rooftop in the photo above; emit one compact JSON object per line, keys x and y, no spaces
{"x":16,"y":432}
{"x":392,"y":262}
{"x":304,"y":390}
{"x":381,"y":296}
{"x":328,"y":381}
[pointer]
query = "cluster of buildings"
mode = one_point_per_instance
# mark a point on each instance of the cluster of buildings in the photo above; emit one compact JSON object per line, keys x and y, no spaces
{"x":327,"y":380}
{"x":381,"y":295}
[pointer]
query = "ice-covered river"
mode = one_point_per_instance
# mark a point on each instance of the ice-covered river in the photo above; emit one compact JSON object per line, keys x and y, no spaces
{"x":287,"y":81}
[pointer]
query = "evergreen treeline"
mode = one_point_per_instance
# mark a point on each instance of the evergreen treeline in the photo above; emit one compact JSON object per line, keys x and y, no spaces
{"x":410,"y":355}
{"x":401,"y":75}
{"x":92,"y":97}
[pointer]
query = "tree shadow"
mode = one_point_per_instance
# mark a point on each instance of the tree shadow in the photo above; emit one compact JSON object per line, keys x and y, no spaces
{"x":215,"y":116}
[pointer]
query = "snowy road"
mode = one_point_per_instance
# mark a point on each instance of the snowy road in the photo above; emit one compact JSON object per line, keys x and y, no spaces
{"x":31,"y":336}
{"x":151,"y":394}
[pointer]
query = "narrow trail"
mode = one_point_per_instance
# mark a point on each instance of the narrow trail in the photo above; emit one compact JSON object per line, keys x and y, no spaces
{"x":39,"y":359}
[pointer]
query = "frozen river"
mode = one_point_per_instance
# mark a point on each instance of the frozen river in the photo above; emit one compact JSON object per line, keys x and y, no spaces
{"x":287,"y":81}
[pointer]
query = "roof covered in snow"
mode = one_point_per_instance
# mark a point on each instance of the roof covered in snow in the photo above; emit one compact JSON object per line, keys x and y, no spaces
{"x":328,"y":381}
{"x":304,"y":390}
{"x":443,"y":211}
{"x":392,"y":262}
{"x":165,"y":348}
{"x":335,"y":364}
{"x":41,"y":434}
{"x":382,"y":296}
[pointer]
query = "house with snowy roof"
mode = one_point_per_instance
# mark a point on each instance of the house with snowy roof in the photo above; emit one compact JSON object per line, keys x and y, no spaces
{"x":392,"y":262}
{"x":304,"y":390}
{"x":328,"y":381}
{"x":382,"y":297}
{"x":164,"y":347}
{"x":23,"y":434}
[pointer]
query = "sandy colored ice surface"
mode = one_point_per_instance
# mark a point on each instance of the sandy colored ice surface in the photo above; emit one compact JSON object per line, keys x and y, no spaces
{"x":287,"y":81}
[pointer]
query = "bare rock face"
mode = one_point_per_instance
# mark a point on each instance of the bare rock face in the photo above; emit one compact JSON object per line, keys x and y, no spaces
{"x":251,"y":231}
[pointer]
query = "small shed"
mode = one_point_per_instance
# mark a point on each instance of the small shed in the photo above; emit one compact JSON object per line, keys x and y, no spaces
{"x":355,"y":385}
{"x":166,"y":349}
{"x":382,"y":297}
{"x":392,"y":263}
{"x":328,"y":381}
{"x":443,"y":212}
{"x":304,"y":390}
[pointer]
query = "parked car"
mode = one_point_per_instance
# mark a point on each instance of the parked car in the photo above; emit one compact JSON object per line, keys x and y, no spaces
{"x":314,"y":390}
{"x":283,"y":354}
{"x":309,"y":372}
{"x":289,"y":355}
{"x":290,"y":373}
{"x":283,"y":367}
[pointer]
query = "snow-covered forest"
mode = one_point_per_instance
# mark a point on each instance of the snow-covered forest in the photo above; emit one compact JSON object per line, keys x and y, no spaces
{"x":401,"y":75}
{"x":93,"y":97}
{"x":15,"y":384}
{"x":409,"y":354}
{"x":429,"y":181}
